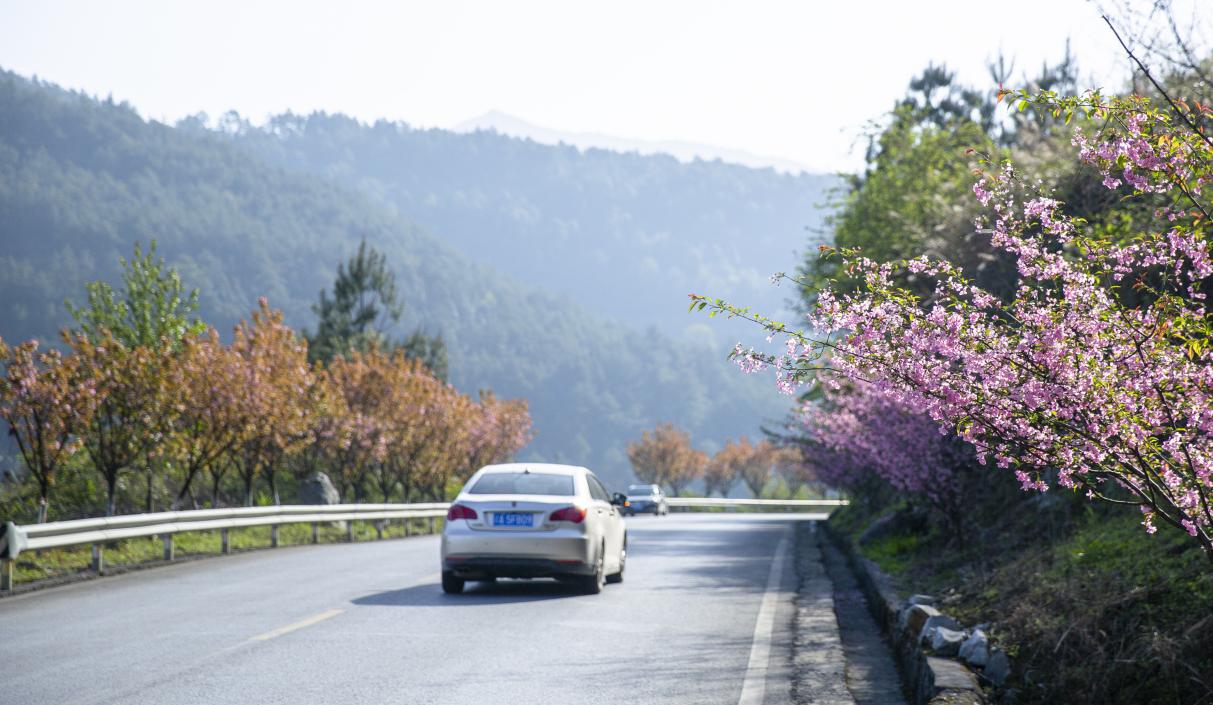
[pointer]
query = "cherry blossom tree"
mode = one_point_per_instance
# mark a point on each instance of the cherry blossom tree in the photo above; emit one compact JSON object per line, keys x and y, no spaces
{"x":500,"y":428}
{"x":721,"y":471}
{"x":47,"y":406}
{"x":664,"y":456}
{"x":754,"y":463}
{"x":868,"y":434}
{"x":206,"y":414}
{"x":274,"y":395}
{"x":1096,"y":374}
{"x":361,"y":431}
{"x":127,"y":425}
{"x":413,"y":414}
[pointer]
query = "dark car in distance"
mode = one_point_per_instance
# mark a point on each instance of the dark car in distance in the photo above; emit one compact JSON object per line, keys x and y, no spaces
{"x":645,"y":498}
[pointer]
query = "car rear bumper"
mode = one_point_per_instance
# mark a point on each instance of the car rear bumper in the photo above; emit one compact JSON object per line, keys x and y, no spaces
{"x":643,"y":507}
{"x":481,"y":567}
{"x":515,"y":554}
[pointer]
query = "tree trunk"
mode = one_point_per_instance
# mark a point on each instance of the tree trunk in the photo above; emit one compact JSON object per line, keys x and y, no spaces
{"x":111,"y":485}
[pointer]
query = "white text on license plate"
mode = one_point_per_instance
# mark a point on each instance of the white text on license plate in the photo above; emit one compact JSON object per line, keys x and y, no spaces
{"x":512,"y":519}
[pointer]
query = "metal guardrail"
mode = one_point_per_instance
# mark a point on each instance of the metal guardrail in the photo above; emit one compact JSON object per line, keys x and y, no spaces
{"x":98,"y":531}
{"x":719,"y":502}
{"x":81,"y":532}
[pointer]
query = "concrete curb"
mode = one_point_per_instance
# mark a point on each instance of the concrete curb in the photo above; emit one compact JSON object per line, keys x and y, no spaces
{"x":930,"y":679}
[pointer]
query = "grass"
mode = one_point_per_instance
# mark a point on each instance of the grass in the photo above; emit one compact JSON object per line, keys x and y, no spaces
{"x":49,"y":564}
{"x":894,"y":554}
{"x":1091,"y":608}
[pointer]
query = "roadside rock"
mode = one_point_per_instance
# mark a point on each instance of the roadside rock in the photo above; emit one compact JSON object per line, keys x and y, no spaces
{"x":914,"y":617}
{"x":946,"y":642}
{"x":318,"y":489}
{"x":937,"y":621}
{"x":998,"y":668}
{"x":976,"y":649}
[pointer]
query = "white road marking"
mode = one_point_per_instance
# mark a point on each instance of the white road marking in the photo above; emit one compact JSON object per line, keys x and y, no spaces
{"x":327,"y":614}
{"x":754,"y":687}
{"x":314,"y":619}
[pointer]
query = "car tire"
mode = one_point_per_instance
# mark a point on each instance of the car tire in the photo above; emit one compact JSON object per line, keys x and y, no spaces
{"x":616,"y":578}
{"x":450,"y":584}
{"x":592,"y":584}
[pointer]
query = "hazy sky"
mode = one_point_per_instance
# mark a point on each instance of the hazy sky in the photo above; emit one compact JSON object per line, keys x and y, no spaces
{"x":795,"y":80}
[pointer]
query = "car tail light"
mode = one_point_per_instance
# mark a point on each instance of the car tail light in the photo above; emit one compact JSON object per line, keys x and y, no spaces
{"x":573,"y":514}
{"x":458,"y":511}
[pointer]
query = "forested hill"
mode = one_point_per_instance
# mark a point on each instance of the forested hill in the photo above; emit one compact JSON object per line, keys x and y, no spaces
{"x":82,"y":180}
{"x":626,"y":235}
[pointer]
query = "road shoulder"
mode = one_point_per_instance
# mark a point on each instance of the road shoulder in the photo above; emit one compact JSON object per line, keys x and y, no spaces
{"x":819,"y":662}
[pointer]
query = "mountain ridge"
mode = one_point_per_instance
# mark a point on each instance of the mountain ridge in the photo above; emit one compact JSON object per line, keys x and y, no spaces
{"x":625,"y":235}
{"x":683,"y":151}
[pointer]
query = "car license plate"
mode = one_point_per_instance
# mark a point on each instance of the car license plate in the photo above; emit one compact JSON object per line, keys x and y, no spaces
{"x":512,"y":519}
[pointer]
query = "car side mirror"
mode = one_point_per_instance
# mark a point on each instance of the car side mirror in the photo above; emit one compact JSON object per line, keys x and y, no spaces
{"x":619,"y":499}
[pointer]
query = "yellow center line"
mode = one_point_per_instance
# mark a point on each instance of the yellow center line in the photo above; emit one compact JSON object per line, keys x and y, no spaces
{"x":314,"y":619}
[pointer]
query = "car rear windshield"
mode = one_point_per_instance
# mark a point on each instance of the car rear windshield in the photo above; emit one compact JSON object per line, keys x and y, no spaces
{"x":524,"y":483}
{"x":640,"y":489}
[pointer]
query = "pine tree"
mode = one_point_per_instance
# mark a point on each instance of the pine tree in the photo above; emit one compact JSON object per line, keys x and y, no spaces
{"x":363,"y":305}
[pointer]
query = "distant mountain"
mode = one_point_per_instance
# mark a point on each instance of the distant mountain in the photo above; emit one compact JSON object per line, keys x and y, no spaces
{"x":506,"y":124}
{"x":625,"y":235}
{"x":81,"y":180}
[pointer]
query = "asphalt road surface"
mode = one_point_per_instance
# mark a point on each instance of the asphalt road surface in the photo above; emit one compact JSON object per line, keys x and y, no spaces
{"x":703,"y":616}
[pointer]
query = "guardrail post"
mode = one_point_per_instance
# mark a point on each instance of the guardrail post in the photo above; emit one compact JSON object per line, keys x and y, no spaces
{"x":315,"y":532}
{"x":274,"y":536}
{"x":6,"y":574}
{"x":349,"y":531}
{"x":170,"y":551}
{"x":225,"y":545}
{"x":98,"y":563}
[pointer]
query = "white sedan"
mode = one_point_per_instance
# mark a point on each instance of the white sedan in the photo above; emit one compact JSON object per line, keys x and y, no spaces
{"x":534,"y":520}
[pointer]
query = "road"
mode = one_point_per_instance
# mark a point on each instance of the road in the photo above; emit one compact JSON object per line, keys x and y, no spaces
{"x":703,"y":616}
